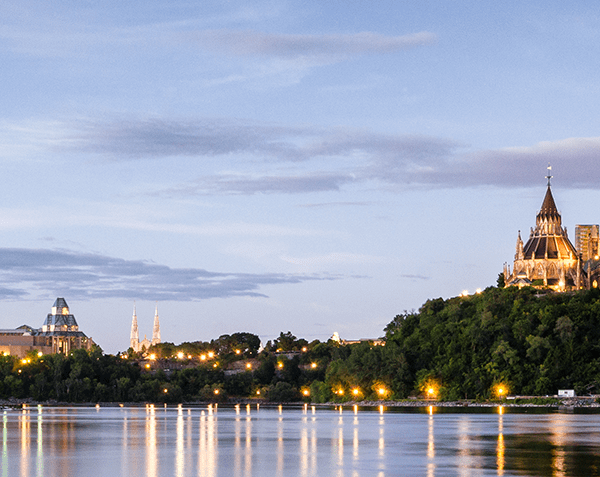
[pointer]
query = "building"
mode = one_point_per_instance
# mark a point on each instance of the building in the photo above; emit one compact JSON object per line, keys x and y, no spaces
{"x":134,"y":339}
{"x":59,"y":334}
{"x":548,"y":258}
{"x":586,"y":242}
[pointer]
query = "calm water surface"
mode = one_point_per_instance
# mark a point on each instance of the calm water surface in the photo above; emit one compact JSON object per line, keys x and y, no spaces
{"x":249,"y":441}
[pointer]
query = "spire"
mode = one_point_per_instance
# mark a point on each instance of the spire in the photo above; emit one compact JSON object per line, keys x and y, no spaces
{"x":156,"y":329}
{"x":549,"y":176}
{"x":519,"y":247}
{"x":135,"y":337}
{"x":549,"y":206}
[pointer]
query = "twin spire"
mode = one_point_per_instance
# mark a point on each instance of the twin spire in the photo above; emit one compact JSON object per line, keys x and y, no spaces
{"x":135,"y":336}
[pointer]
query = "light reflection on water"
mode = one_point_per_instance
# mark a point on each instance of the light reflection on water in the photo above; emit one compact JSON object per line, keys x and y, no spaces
{"x":211,"y":441}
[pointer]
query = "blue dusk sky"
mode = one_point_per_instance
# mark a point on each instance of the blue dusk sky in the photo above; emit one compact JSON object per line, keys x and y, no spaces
{"x":277,"y":165}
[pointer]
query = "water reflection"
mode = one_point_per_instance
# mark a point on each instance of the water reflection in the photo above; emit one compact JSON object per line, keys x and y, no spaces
{"x":179,"y":463}
{"x":430,"y":445}
{"x":151,"y":454}
{"x":40,"y":440}
{"x":4,"y":445}
{"x":250,"y":441}
{"x":559,"y":439}
{"x":500,"y":446}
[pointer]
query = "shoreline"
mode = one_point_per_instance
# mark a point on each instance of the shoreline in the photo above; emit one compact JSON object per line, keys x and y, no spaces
{"x":589,"y":402}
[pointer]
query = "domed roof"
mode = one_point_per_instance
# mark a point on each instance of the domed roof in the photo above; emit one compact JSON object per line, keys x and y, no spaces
{"x":549,"y":240}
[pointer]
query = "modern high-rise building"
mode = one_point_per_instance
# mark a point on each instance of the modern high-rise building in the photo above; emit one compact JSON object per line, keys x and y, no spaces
{"x":586,"y":242}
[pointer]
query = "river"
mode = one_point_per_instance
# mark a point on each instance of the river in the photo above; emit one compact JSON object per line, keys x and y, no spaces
{"x":252,"y":440}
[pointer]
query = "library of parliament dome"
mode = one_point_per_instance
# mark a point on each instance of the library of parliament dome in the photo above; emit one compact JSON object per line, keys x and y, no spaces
{"x":549,"y":260}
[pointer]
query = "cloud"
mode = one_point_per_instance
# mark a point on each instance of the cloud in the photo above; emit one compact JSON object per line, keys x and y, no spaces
{"x":237,"y":156}
{"x":574,"y":161}
{"x":217,"y":137}
{"x":240,"y":184}
{"x":330,"y":47}
{"x":89,"y":276}
{"x":415,"y":277}
{"x":154,"y":137}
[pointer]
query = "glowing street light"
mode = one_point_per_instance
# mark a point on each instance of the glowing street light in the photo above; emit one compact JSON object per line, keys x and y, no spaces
{"x":248,"y":365}
{"x":313,"y":365}
{"x":306,"y":392}
{"x":501,"y":390}
{"x":180,"y":355}
{"x":216,"y":391}
{"x":356,"y":391}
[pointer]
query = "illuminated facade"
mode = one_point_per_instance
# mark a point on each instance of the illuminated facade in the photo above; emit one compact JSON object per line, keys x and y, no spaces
{"x":59,"y":334}
{"x":586,"y":242}
{"x":548,"y":259}
{"x":134,"y":339}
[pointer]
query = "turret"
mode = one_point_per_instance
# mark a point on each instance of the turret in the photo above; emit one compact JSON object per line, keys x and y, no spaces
{"x":519,"y":248}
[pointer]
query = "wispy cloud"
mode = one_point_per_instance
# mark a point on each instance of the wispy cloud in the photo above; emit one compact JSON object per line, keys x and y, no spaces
{"x":153,"y":137}
{"x":240,"y":184}
{"x":238,"y":156}
{"x":323,"y":47}
{"x":84,"y":275}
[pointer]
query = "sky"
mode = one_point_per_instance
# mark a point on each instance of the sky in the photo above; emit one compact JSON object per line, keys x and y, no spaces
{"x":273,"y":166}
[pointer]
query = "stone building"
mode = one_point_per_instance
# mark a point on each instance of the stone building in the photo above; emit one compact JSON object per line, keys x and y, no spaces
{"x":59,"y":334}
{"x":548,"y":258}
{"x":134,"y":339}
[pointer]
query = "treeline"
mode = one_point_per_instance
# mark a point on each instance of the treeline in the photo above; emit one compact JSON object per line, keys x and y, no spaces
{"x":533,"y":342}
{"x":528,"y":341}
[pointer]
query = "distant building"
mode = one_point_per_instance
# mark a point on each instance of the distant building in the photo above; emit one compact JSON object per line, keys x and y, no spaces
{"x":59,"y":334}
{"x":586,"y":242}
{"x":548,"y":259}
{"x":134,"y":340}
{"x":374,"y":341}
{"x":568,"y":393}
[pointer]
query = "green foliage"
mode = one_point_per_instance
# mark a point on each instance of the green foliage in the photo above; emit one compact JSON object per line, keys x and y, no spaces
{"x":283,"y":392}
{"x":536,"y":342}
{"x":531,"y":341}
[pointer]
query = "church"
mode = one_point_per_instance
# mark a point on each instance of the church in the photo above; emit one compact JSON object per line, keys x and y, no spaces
{"x":548,"y":259}
{"x":134,"y":341}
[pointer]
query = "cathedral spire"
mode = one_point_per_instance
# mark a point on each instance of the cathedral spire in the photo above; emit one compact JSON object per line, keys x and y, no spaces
{"x":134,"y":339}
{"x":156,"y":328}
